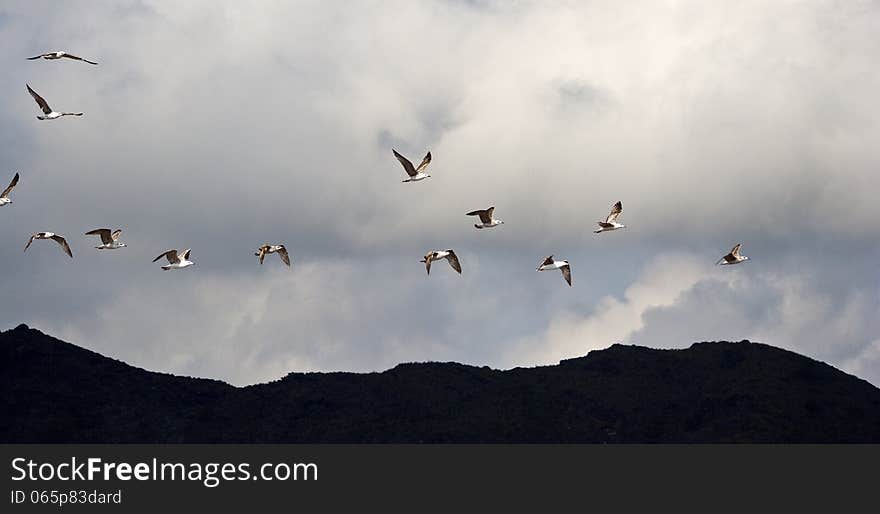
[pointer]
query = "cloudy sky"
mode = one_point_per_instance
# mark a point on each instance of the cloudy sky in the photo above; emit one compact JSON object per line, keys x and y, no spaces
{"x":223,"y":125}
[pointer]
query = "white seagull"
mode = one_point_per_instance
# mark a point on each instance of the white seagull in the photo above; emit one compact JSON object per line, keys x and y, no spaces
{"x":436,"y":255}
{"x":552,"y":264}
{"x":50,"y":235}
{"x":49,"y":113}
{"x":4,"y":196}
{"x":733,"y":257}
{"x":175,"y":260}
{"x":488,"y":221}
{"x":51,"y":56}
{"x":279,"y":249}
{"x":415,"y":174}
{"x":610,"y":222}
{"x":109,"y":240}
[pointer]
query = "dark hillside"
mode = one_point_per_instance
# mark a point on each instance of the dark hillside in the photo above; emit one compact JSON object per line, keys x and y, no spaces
{"x":711,"y":392}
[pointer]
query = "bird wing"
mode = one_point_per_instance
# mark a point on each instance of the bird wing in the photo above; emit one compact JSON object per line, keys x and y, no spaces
{"x":40,"y":101}
{"x":116,"y":233}
{"x":11,"y":185}
{"x":171,"y":255}
{"x":31,"y":240}
{"x":282,"y":252}
{"x":735,"y":251}
{"x":77,"y":58}
{"x":186,"y":253}
{"x":425,"y":162}
{"x":616,"y":209}
{"x":261,"y":252}
{"x":35,"y":57}
{"x":106,"y":237}
{"x":547,"y":261}
{"x":453,"y":261}
{"x":566,"y":274}
{"x":484,"y":215}
{"x":427,"y":260}
{"x":63,"y":242}
{"x":408,"y":166}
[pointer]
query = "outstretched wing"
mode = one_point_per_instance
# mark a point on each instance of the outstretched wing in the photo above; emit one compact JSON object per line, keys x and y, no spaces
{"x":566,"y":274}
{"x":11,"y":185}
{"x":64,"y":246}
{"x":116,"y":233}
{"x":425,"y":162}
{"x":40,"y":101}
{"x":76,"y":58}
{"x":427,"y":260}
{"x":36,"y":57}
{"x":285,"y":258}
{"x":485,"y":215}
{"x":171,"y":255}
{"x":106,"y":236}
{"x":453,"y":261}
{"x":616,"y":209}
{"x":547,"y":261}
{"x":31,"y":240}
{"x":261,"y":252}
{"x":732,"y":256}
{"x":186,"y":253}
{"x":408,"y":166}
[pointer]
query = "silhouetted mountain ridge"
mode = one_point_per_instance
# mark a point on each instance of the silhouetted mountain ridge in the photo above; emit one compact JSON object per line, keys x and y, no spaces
{"x":711,"y":392}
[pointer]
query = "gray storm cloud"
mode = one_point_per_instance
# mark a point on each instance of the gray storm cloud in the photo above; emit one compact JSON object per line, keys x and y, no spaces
{"x":223,"y":125}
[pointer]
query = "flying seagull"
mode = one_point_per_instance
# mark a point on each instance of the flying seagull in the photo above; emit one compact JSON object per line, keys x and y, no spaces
{"x":279,"y":249}
{"x":415,"y":174}
{"x":552,"y":264}
{"x":733,"y":257}
{"x":175,"y":260}
{"x":109,"y":240}
{"x":4,"y":196}
{"x":51,"y":56}
{"x":49,"y":113}
{"x":486,"y":218}
{"x":50,"y":235}
{"x":436,"y":255}
{"x":610,"y":222}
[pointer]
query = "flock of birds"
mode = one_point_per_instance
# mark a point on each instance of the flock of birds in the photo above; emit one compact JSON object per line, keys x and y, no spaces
{"x":488,"y":220}
{"x":180,"y":259}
